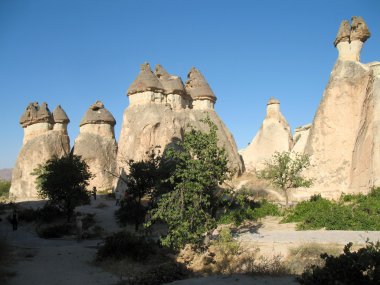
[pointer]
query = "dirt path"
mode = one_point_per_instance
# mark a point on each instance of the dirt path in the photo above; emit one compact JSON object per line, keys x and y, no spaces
{"x":57,"y":261}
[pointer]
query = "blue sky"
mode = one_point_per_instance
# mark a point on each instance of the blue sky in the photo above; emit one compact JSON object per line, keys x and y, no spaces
{"x":74,"y":52}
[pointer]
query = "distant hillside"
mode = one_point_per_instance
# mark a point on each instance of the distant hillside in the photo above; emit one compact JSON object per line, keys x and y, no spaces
{"x":6,"y":173}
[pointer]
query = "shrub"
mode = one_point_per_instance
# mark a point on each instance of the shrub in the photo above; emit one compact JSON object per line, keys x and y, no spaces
{"x":47,"y":213}
{"x":126,"y":214}
{"x":55,"y":231}
{"x":4,"y":188}
{"x":351,"y":212}
{"x":350,"y":268}
{"x":125,"y":244}
{"x":242,"y":209}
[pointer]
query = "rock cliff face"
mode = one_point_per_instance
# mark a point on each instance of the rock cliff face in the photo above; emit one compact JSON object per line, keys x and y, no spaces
{"x":96,"y":144}
{"x":161,"y":109}
{"x":274,"y":135}
{"x":301,"y":134}
{"x":45,"y":136}
{"x":343,"y":140}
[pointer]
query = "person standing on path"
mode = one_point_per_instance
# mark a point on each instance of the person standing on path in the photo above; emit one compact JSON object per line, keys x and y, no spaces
{"x":14,"y":219}
{"x":94,"y":192}
{"x":117,"y":197}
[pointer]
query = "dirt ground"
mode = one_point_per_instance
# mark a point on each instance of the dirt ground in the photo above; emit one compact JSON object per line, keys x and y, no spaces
{"x":66,"y":261}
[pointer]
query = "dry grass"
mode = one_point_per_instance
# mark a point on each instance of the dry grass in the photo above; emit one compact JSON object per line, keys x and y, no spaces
{"x":306,"y":255}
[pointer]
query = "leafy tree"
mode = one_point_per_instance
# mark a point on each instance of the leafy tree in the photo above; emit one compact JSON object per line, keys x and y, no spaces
{"x":63,"y":181}
{"x":189,"y":209}
{"x":284,"y":171}
{"x":141,"y":181}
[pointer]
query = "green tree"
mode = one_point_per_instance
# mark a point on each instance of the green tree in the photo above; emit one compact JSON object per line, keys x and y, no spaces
{"x":284,"y":171}
{"x":189,"y":208}
{"x":141,"y":182}
{"x":64,"y":181}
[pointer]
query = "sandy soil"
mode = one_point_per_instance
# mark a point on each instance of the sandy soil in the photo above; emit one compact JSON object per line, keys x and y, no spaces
{"x":59,"y":262}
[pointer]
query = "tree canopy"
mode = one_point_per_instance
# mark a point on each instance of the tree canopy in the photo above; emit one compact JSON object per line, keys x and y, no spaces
{"x":284,"y":171}
{"x":189,"y":208}
{"x":64,"y":182}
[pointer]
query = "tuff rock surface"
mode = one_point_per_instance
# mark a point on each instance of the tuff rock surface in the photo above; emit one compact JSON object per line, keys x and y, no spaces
{"x":274,"y":135}
{"x":96,"y":144}
{"x":44,"y":138}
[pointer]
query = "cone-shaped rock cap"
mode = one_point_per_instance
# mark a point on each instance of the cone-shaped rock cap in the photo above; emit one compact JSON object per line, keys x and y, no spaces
{"x":273,"y":101}
{"x":60,"y":116}
{"x":343,"y":33}
{"x":197,"y":86}
{"x":97,"y":114}
{"x":359,"y":29}
{"x":36,"y":114}
{"x":172,"y":84}
{"x":145,"y":81}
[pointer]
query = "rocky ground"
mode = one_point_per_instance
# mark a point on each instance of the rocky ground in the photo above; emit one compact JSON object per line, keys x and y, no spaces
{"x":66,"y":261}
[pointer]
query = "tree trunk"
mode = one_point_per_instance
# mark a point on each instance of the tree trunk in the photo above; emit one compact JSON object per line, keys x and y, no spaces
{"x":286,"y":197}
{"x":137,"y":218}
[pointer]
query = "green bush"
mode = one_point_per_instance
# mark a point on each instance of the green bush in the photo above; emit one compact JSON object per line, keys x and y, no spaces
{"x":4,"y":188}
{"x":47,"y":214}
{"x":241,"y":209}
{"x":55,"y":231}
{"x":125,"y":244}
{"x":350,"y":268}
{"x":351,"y":212}
{"x":126,"y":214}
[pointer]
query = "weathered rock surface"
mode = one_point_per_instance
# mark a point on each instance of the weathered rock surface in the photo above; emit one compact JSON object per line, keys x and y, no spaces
{"x":96,"y":144}
{"x":365,"y":169}
{"x":42,"y":141}
{"x":334,"y":132}
{"x":301,"y":134}
{"x":274,"y":135}
{"x":151,"y":122}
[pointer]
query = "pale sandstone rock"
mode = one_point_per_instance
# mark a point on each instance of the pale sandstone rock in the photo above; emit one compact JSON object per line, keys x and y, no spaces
{"x":42,"y":141}
{"x":335,"y":128}
{"x":96,"y":144}
{"x":274,"y":135}
{"x":154,"y":118}
{"x":350,"y":39}
{"x":365,"y":170}
{"x":300,"y":137}
{"x":199,"y":90}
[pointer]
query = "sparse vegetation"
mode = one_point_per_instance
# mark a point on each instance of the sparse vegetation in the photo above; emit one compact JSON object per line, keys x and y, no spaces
{"x":125,"y":244}
{"x":349,"y":268}
{"x":284,"y":171}
{"x":241,"y":208}
{"x":55,"y":231}
{"x":4,"y":188}
{"x":351,"y":212}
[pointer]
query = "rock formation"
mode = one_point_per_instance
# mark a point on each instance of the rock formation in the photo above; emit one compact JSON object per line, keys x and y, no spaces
{"x":45,"y":136}
{"x":274,"y":135}
{"x":301,"y":134}
{"x":96,"y":144}
{"x":343,"y":138}
{"x":161,"y":109}
{"x":349,"y":40}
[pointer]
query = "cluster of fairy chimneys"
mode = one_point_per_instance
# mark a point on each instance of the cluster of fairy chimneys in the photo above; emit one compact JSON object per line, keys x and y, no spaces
{"x":350,"y":38}
{"x":161,"y":87}
{"x":37,"y":119}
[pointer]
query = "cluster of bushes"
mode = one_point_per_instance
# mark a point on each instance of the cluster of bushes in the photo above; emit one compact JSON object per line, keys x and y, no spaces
{"x":47,"y":214}
{"x":126,"y":214}
{"x":125,"y":244}
{"x":4,"y":188}
{"x":350,"y":268}
{"x":350,"y":212}
{"x":240,"y":208}
{"x":56,"y":231}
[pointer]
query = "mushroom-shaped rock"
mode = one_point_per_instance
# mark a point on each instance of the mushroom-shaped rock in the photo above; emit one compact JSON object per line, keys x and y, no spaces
{"x":44,"y":114}
{"x":97,"y":114}
{"x":145,"y":81}
{"x":60,"y":116}
{"x":30,"y":114}
{"x":343,"y":33}
{"x":171,"y":84}
{"x":359,"y":29}
{"x":197,"y":86}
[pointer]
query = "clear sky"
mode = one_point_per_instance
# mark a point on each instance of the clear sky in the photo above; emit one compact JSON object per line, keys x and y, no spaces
{"x":74,"y":52}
